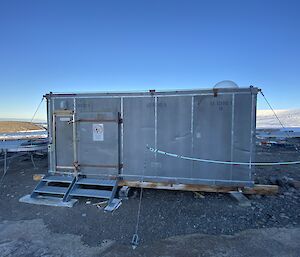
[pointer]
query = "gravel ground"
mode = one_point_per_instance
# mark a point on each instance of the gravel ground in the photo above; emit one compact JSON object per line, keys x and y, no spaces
{"x":31,"y":238}
{"x":274,"y":242}
{"x":164,"y":213}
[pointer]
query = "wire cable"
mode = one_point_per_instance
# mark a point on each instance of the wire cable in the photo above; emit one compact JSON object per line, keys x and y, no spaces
{"x":135,"y":238}
{"x":275,"y":114}
{"x":218,"y":161}
{"x":37,"y":110}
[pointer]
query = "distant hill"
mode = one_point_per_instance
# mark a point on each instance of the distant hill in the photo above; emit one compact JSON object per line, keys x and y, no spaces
{"x":26,"y":120}
{"x":17,"y":126}
{"x":267,"y":119}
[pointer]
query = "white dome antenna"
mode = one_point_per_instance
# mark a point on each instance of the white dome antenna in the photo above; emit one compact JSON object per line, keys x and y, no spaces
{"x":226,"y":84}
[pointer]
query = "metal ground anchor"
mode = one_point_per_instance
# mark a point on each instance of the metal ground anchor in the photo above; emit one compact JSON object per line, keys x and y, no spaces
{"x":135,"y":241}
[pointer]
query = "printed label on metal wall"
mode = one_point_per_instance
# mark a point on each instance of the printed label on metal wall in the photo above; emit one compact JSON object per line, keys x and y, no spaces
{"x":65,"y":119}
{"x":98,"y":132}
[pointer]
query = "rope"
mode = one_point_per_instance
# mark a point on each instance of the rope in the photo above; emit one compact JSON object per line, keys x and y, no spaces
{"x":135,"y":238}
{"x":220,"y":162}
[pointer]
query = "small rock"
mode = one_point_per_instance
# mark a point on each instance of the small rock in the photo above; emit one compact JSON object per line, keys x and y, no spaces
{"x":282,"y":215}
{"x":256,"y":180}
{"x":124,"y":192}
{"x":287,"y":193}
{"x":295,"y":184}
{"x":284,"y":181}
{"x":88,"y":202}
{"x":273,"y":180}
{"x":101,"y":205}
{"x":83,"y":214}
{"x":135,"y":194}
{"x":106,"y":243}
{"x":292,"y":190}
{"x":198,"y":195}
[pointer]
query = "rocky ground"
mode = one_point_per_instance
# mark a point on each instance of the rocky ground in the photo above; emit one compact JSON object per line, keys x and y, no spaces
{"x":214,"y":218}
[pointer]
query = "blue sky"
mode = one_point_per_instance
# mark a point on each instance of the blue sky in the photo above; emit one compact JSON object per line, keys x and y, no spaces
{"x":131,"y":45}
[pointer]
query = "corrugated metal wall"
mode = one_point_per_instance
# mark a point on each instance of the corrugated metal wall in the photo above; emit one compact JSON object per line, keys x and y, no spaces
{"x":197,"y":123}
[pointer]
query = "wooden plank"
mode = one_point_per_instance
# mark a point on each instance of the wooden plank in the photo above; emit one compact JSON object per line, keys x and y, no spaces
{"x":261,"y":189}
{"x":257,"y":189}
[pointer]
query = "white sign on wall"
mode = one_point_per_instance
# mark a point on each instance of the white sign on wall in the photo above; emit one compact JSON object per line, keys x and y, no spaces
{"x":65,"y":119}
{"x":98,"y":132}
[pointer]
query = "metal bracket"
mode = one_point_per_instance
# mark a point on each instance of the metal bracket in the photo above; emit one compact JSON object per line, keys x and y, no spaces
{"x":152,"y":91}
{"x":67,"y":196}
{"x":76,"y":165}
{"x":76,"y":168}
{"x":215,"y":90}
{"x":50,"y":148}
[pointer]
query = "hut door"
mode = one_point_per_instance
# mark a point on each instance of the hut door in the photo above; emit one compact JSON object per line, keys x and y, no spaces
{"x":63,"y":138}
{"x":98,"y":143}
